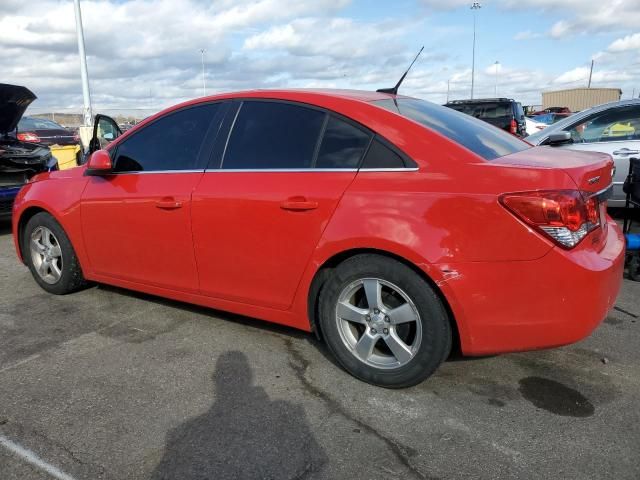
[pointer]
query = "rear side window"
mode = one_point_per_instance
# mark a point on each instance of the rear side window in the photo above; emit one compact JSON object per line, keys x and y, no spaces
{"x":172,"y":142}
{"x":342,"y":145}
{"x":481,"y":138}
{"x":381,"y":156}
{"x":271,"y":135}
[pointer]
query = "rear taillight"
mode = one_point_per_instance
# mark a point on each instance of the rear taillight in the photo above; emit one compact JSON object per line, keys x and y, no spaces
{"x":28,"y":137}
{"x":513,"y":127}
{"x":565,"y":216}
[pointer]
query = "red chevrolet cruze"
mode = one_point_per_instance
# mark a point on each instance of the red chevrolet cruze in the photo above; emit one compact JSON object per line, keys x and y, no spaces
{"x":392,"y":227}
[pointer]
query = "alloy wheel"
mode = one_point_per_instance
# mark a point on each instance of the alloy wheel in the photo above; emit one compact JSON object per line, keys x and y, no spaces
{"x":378,"y":323}
{"x":46,"y":255}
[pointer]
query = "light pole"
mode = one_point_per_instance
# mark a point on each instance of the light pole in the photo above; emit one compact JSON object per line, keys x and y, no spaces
{"x":86,"y":95}
{"x":204,"y":85}
{"x":496,"y":87}
{"x":475,"y":6}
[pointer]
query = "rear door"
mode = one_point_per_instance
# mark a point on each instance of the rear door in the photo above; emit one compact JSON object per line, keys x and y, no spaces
{"x":136,"y":223}
{"x":615,"y":131}
{"x":260,"y":209}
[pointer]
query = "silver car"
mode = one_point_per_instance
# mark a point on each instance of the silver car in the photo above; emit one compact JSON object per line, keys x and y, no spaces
{"x":612,"y":128}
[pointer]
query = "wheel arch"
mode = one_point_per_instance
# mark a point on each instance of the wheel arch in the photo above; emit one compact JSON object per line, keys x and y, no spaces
{"x":26,"y":215}
{"x":322,"y":274}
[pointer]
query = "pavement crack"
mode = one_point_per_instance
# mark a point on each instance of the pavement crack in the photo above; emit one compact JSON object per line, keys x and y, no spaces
{"x":300,"y":364}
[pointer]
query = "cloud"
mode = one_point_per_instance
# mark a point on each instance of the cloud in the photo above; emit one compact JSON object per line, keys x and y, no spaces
{"x":628,"y":43}
{"x":527,"y":35}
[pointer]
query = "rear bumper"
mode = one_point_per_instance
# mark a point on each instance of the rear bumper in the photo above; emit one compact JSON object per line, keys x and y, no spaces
{"x":552,"y":301}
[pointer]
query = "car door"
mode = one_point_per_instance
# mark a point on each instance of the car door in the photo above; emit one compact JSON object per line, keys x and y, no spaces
{"x":259,"y":212}
{"x":615,"y":131}
{"x":136,"y":221}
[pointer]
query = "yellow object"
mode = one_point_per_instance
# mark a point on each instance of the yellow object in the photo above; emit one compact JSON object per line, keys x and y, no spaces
{"x":66,"y":155}
{"x":619,"y":130}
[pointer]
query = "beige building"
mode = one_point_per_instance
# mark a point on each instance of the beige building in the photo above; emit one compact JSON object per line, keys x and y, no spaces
{"x":580,"y":98}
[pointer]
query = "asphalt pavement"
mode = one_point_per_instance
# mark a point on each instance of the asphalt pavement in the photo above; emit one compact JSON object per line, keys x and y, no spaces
{"x":111,"y":384}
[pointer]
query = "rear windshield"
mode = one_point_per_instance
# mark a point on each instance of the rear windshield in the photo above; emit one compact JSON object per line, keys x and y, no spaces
{"x":481,"y":138}
{"x":32,"y":123}
{"x":483,"y":109}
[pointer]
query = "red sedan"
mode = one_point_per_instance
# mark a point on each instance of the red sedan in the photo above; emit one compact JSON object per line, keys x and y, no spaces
{"x":393,"y":227}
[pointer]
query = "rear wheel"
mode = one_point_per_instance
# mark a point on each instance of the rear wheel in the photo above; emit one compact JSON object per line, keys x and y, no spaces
{"x":50,"y":255}
{"x":383,"y":322}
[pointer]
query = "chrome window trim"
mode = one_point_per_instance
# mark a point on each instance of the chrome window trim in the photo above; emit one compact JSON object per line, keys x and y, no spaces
{"x":141,"y":172}
{"x":309,"y":170}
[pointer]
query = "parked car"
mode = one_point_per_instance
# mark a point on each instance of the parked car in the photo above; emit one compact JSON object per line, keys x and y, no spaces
{"x":504,"y":113}
{"x":45,"y":131}
{"x":393,"y":227}
{"x":549,"y":118}
{"x":532,"y":126}
{"x":564,"y":110}
{"x":19,"y":161}
{"x":612,"y":128}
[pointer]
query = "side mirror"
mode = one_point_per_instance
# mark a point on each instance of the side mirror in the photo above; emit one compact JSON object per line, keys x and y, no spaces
{"x":559,"y":138}
{"x":99,"y":163}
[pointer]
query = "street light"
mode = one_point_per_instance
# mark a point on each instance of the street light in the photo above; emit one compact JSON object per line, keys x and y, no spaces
{"x":86,"y":95}
{"x":204,"y":86}
{"x":475,"y":6}
{"x":496,"y":88}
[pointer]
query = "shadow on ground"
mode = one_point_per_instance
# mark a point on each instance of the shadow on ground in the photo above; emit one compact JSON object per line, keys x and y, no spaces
{"x":243,"y":435}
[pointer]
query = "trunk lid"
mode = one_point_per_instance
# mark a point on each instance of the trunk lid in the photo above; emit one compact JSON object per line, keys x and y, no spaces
{"x":14,"y":100}
{"x":591,"y":171}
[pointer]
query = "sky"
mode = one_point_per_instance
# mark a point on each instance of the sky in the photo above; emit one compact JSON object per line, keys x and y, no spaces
{"x":146,"y":54}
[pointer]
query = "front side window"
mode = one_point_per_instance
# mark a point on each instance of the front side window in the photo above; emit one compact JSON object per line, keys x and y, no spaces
{"x":172,"y":142}
{"x":618,"y":124}
{"x":481,"y":138}
{"x":273,"y":135}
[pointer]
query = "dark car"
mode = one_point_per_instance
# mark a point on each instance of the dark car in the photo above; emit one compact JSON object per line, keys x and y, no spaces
{"x":45,"y":131}
{"x":504,"y":113}
{"x":19,"y":161}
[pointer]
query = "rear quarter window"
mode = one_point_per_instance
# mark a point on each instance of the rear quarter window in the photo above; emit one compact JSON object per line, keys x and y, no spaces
{"x":481,"y":138}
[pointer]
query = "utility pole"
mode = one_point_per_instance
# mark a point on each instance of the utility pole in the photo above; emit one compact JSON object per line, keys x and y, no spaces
{"x":496,"y":86}
{"x":87,"y":115}
{"x":590,"y":74}
{"x":204,"y":86}
{"x":448,"y":89}
{"x":474,"y":7}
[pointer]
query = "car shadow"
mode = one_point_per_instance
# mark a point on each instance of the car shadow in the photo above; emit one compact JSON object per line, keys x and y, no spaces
{"x":244,"y":434}
{"x":5,"y":227}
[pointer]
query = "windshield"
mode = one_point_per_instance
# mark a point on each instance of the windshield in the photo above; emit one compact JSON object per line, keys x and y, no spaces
{"x":481,"y":138}
{"x":32,"y":123}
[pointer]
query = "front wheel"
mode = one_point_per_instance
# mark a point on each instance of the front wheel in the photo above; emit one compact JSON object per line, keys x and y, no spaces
{"x":383,"y":322}
{"x":50,"y":256}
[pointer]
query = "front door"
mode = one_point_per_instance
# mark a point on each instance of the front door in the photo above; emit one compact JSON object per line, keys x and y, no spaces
{"x":616,"y":132}
{"x":259,"y":215}
{"x":136,"y":221}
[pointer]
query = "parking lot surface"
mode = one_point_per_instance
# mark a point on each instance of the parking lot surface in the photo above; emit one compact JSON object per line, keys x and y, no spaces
{"x":111,"y":384}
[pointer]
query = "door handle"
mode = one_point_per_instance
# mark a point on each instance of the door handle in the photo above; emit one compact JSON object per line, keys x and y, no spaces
{"x":298,"y":204}
{"x":625,"y":152}
{"x":168,"y":203}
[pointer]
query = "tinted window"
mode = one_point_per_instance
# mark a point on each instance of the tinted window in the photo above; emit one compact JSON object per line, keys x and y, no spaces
{"x":381,"y":156}
{"x":481,"y":138}
{"x":170,"y":143}
{"x":273,"y":135}
{"x":484,"y":109}
{"x":342,"y":145}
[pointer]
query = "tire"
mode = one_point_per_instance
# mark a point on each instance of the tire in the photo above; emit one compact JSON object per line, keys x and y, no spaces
{"x":409,"y":349}
{"x":45,"y":242}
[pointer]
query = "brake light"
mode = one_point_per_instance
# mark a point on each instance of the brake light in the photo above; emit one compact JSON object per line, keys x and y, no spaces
{"x":513,"y":128}
{"x":565,"y":216}
{"x":28,"y":137}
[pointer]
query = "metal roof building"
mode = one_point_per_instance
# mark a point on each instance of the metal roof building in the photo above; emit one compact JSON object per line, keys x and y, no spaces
{"x":580,"y":98}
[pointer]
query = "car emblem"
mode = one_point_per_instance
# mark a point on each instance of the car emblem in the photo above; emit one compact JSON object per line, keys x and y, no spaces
{"x":594,"y":180}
